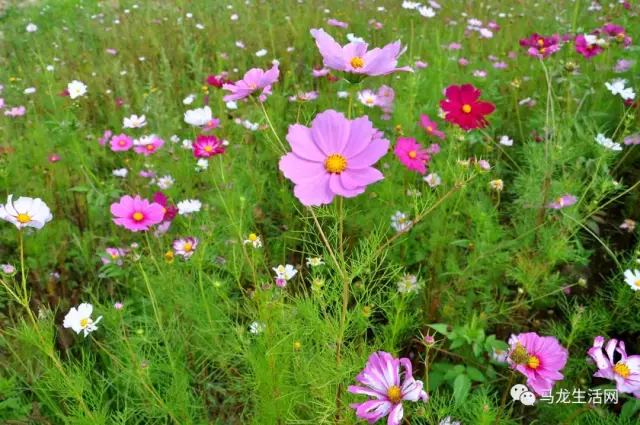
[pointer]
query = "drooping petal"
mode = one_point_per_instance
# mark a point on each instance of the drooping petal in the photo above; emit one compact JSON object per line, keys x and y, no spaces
{"x":331,"y":51}
{"x":339,"y":189}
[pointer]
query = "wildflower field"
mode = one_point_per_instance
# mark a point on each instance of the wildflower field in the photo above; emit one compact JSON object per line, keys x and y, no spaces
{"x":319,"y":212}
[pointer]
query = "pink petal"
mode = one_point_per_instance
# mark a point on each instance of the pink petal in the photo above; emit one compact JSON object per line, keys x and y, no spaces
{"x":330,"y":131}
{"x":370,"y":155}
{"x":314,"y":194}
{"x":301,"y":171}
{"x":352,"y":179}
{"x":360,"y":135}
{"x":302,"y":144}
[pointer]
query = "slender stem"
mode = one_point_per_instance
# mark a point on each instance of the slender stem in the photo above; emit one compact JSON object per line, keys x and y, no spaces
{"x":504,"y":398}
{"x":273,"y":130}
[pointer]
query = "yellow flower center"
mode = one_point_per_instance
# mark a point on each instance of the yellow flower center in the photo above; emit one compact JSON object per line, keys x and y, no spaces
{"x":357,"y":62}
{"x":620,"y":36}
{"x":622,"y":370}
{"x":149,"y":147}
{"x":429,"y":128}
{"x":540,"y":43}
{"x":542,"y":50}
{"x":84,"y":322}
{"x":559,"y":201}
{"x":534,"y":362}
{"x":122,"y":143}
{"x":135,"y":123}
{"x":253,"y":237}
{"x":187,"y":247}
{"x":412,"y":154}
{"x":466,"y":108}
{"x":169,"y":255}
{"x":253,"y":86}
{"x":138,"y":216}
{"x":638,"y":283}
{"x":23,"y":218}
{"x":114,"y":256}
{"x":208,"y":148}
{"x":369,"y":101}
{"x":335,"y":164}
{"x":394,"y":394}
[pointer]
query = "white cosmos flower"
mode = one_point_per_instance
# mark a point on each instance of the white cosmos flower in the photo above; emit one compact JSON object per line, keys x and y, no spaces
{"x":254,"y":240}
{"x":76,"y":89}
{"x":506,"y":141}
{"x":25,"y":212}
{"x":200,"y":26}
{"x":427,"y":12}
{"x":202,"y":164}
{"x":240,"y":45}
{"x":30,"y":90}
{"x":189,"y":206}
{"x":410,"y":5}
{"x":232,"y":105}
{"x":120,"y":172}
{"x":189,"y":99}
{"x":608,"y":143}
{"x":618,"y":87}
{"x":433,"y":180}
{"x":32,"y":28}
{"x":285,"y":272}
{"x":486,"y":33}
{"x":80,"y":319}
{"x":261,"y":53}
{"x":234,"y":17}
{"x":50,"y":68}
{"x":165,"y":182}
{"x":408,"y":284}
{"x":343,"y":94}
{"x":256,"y":327}
{"x":314,"y":261}
{"x":400,"y":222}
{"x":632,"y":277}
{"x":367,"y":98}
{"x":198,"y":117}
{"x":134,"y":121}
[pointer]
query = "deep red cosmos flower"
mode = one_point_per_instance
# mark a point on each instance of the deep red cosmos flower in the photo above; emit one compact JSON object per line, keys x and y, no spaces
{"x":463,"y":108}
{"x":215,"y":81}
{"x":541,"y":46}
{"x":170,"y":211}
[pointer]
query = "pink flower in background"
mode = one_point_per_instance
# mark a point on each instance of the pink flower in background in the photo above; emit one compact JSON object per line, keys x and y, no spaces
{"x":617,"y":33}
{"x":105,"y":138}
{"x":114,"y":255}
{"x":420,"y":65}
{"x":335,"y":156}
{"x":1,"y":103}
{"x":623,"y":65}
{"x":629,"y":225}
{"x":317,"y":73}
{"x":207,"y":146}
{"x":626,"y":371}
{"x":564,"y":201}
{"x":119,"y":101}
{"x":385,"y":96}
{"x":336,"y":23}
{"x":255,"y":79}
{"x":136,"y":214}
{"x":539,"y":358}
{"x":185,"y":247}
{"x":540,"y":46}
{"x":16,"y":112}
{"x":169,"y":211}
{"x":355,"y":58}
{"x":586,"y":45}
{"x":112,"y":51}
{"x":53,"y":158}
{"x":121,"y":143}
{"x":430,"y":127}
{"x":463,"y":62}
{"x":454,"y":46}
{"x":148,"y":145}
{"x":383,"y":382}
{"x":411,"y":154}
{"x":211,"y":125}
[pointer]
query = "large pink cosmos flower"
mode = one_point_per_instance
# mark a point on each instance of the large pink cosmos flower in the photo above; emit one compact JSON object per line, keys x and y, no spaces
{"x":136,"y":214}
{"x":333,"y":157}
{"x":411,"y":154}
{"x":539,"y":358}
{"x":381,"y":376}
{"x":207,"y":146}
{"x":255,"y":79}
{"x":626,"y":372}
{"x":355,"y":58}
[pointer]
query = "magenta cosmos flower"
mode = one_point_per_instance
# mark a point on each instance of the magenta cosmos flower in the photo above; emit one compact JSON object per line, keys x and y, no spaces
{"x":539,"y":358}
{"x":169,"y":211}
{"x":382,"y":379}
{"x":148,"y":145}
{"x":355,"y":58}
{"x":463,"y":108}
{"x":430,"y":127}
{"x":411,"y":154}
{"x":255,"y":79}
{"x":587,"y":46}
{"x":333,"y":157}
{"x":207,"y":146}
{"x":121,"y":142}
{"x":540,"y":46}
{"x":136,"y":214}
{"x":626,"y":371}
{"x":564,"y":201}
{"x":618,"y":33}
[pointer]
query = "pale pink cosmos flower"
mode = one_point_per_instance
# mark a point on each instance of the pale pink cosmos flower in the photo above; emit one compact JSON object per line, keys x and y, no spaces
{"x":148,"y":145}
{"x":336,"y":23}
{"x":454,"y":46}
{"x":629,"y":225}
{"x":420,"y":65}
{"x":317,"y":73}
{"x":539,"y":358}
{"x":385,"y":96}
{"x":16,"y":111}
{"x":114,"y":255}
{"x":255,"y":79}
{"x":563,"y":201}
{"x":388,"y":387}
{"x":112,"y":51}
{"x":185,"y":247}
{"x":105,"y":138}
{"x":356,"y":58}
{"x":335,"y":156}
{"x":136,"y":214}
{"x":626,"y":371}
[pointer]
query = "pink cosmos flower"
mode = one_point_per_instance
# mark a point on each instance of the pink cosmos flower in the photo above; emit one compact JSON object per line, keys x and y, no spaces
{"x":420,"y":65}
{"x":463,"y":108}
{"x":411,"y":154}
{"x":185,"y":247}
{"x":431,"y":127}
{"x":355,"y":58}
{"x":1,"y":103}
{"x":53,"y":158}
{"x":564,"y":201}
{"x":112,"y":51}
{"x":317,"y":73}
{"x":385,"y":96}
{"x":114,"y":256}
{"x":121,"y":143}
{"x":105,"y":138}
{"x":454,"y":46}
{"x":618,"y":33}
{"x":16,"y":111}
{"x":586,"y":48}
{"x":207,"y":146}
{"x":304,"y":97}
{"x":333,"y":157}
{"x":382,"y":379}
{"x":255,"y":79}
{"x":539,"y":358}
{"x":540,"y":46}
{"x":136,"y":214}
{"x":169,"y":211}
{"x":211,"y":125}
{"x":336,"y":23}
{"x":148,"y":145}
{"x":626,"y":371}
{"x":463,"y":62}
